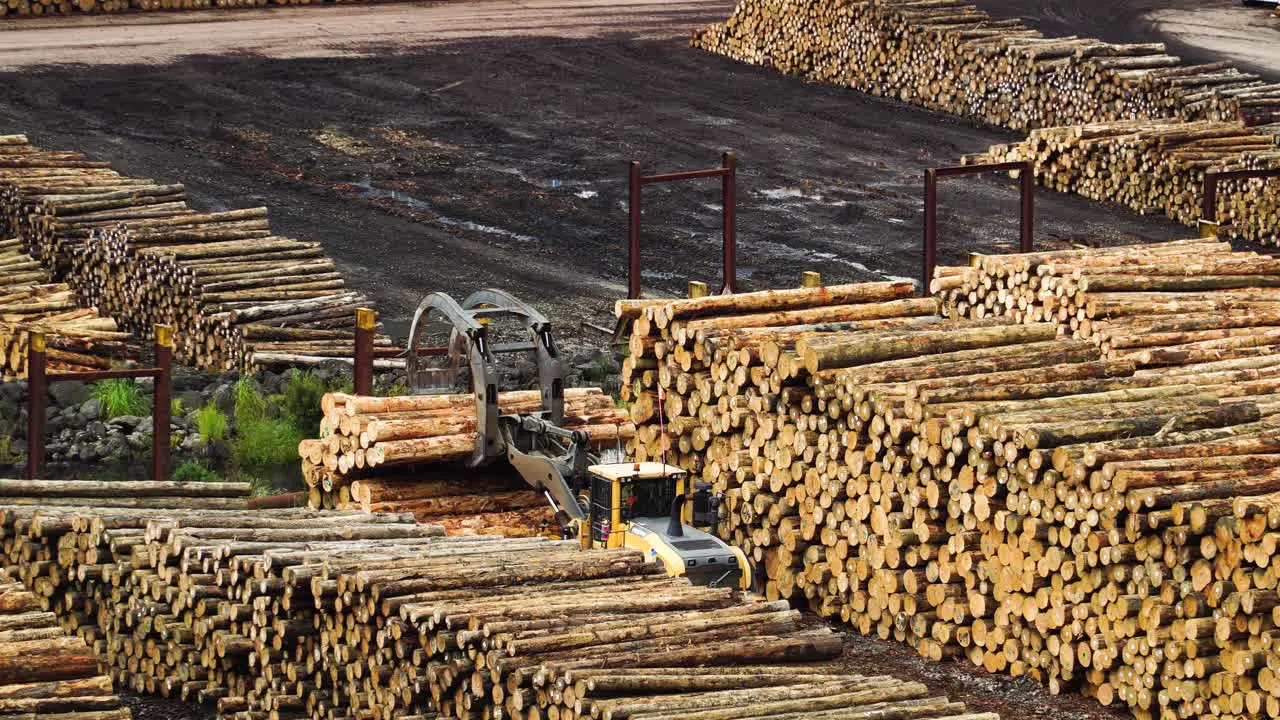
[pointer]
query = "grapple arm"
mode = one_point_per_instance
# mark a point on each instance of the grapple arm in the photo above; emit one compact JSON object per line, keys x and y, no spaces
{"x":538,"y":451}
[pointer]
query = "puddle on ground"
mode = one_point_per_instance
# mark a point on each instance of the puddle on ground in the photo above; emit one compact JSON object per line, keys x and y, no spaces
{"x":366,"y":189}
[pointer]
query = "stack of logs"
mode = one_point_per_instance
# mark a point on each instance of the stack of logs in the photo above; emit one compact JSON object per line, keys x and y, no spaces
{"x":1159,"y":167}
{"x":133,"y":248}
{"x":985,"y":489}
{"x":950,"y":56}
{"x":247,"y":302}
{"x":1164,"y":304}
{"x":394,"y":454}
{"x":45,"y":674}
{"x":76,"y":338}
{"x":330,"y":614}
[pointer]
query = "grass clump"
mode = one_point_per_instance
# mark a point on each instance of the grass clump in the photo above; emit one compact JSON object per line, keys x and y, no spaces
{"x":266,"y":443}
{"x":212,"y":424}
{"x":119,"y":397}
{"x":302,"y":394}
{"x":192,"y":471}
{"x":7,"y":454}
{"x":250,"y":403}
{"x":395,"y":389}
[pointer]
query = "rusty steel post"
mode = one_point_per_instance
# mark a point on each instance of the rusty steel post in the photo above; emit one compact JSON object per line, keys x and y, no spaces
{"x":1026,"y":237}
{"x":37,"y":388}
{"x":362,"y":363}
{"x":930,"y":228}
{"x":1209,"y":206}
{"x":160,"y":414}
{"x":633,"y":230}
{"x":729,"y":203}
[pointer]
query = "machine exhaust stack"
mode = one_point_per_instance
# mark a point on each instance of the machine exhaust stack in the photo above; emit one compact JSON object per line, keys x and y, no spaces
{"x":676,"y":528}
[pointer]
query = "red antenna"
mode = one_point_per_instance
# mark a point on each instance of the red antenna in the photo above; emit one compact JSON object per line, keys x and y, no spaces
{"x":662,"y":426}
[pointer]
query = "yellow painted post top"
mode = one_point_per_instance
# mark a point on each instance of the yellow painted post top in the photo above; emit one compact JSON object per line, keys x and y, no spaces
{"x":1210,"y":228}
{"x":975,"y":259}
{"x":366,"y":318}
{"x":811,"y":279}
{"x":37,"y":341}
{"x":164,"y":336}
{"x":697,"y":289}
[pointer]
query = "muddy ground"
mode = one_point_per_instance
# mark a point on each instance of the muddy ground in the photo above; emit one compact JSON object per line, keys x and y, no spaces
{"x":502,"y":161}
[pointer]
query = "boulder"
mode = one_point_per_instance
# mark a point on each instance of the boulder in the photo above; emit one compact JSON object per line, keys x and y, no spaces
{"x":91,"y":409}
{"x":68,"y":393}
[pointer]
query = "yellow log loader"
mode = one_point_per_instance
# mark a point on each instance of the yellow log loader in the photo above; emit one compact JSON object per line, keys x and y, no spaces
{"x":649,"y":506}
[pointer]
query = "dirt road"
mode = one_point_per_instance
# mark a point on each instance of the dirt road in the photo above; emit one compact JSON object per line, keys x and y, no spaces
{"x":1248,"y":34}
{"x":336,"y":30}
{"x":1200,"y":31}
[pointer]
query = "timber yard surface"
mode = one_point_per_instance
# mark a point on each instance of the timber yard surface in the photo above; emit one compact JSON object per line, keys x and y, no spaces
{"x":497,"y":135}
{"x":454,"y":146}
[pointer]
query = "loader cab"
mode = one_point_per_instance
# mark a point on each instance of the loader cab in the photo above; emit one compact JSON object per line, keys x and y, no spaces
{"x":624,"y":492}
{"x":642,"y":506}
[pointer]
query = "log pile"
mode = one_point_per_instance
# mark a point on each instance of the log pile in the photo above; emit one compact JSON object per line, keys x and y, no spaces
{"x":240,"y":297}
{"x":330,"y":614}
{"x":45,"y":674}
{"x":984,"y":489}
{"x":955,"y":58}
{"x":1155,"y":305}
{"x":76,"y":338}
{"x":1159,"y":167}
{"x":249,"y":302}
{"x":404,"y":453}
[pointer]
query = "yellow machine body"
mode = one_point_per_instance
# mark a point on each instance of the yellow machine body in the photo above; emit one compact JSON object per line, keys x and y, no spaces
{"x":627,"y":502}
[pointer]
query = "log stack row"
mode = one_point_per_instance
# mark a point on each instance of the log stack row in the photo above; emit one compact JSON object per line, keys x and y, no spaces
{"x":77,"y":338}
{"x":250,"y":302}
{"x":984,"y":489}
{"x":1155,"y":305}
{"x":1159,"y":167}
{"x":951,"y":56}
{"x":404,"y":454}
{"x":44,"y":673}
{"x":240,"y":297}
{"x":329,"y":614}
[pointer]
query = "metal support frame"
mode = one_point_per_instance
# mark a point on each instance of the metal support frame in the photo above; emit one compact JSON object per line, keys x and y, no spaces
{"x":38,"y":380}
{"x":728,"y":174}
{"x":1209,"y":225}
{"x":931,"y":177}
{"x":362,"y":363}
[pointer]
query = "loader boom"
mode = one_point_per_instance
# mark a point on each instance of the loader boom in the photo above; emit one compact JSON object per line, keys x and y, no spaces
{"x":535,"y":450}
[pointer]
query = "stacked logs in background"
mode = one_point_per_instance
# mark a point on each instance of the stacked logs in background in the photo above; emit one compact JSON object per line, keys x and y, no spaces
{"x":407,"y":450}
{"x":76,"y":338}
{"x":43,"y":672}
{"x":1159,"y":167}
{"x":240,"y":297}
{"x":247,"y":302}
{"x":1167,"y":304}
{"x":953,"y":57}
{"x":298,"y":613}
{"x":991,"y":491}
